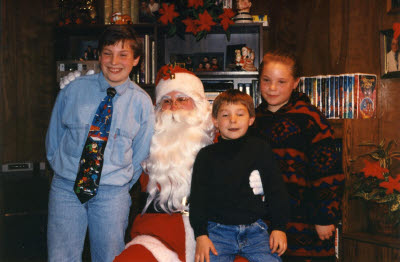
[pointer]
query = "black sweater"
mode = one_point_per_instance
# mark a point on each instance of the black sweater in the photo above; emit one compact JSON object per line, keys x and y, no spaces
{"x":220,"y":190}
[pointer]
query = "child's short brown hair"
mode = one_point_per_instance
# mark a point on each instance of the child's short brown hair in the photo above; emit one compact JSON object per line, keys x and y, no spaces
{"x":282,"y":56}
{"x":115,"y":33}
{"x":233,"y":96}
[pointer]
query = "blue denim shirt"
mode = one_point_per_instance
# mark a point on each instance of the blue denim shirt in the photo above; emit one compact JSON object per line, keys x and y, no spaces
{"x":132,"y":127}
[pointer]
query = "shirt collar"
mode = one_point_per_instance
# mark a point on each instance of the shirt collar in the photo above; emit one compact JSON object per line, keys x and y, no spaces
{"x":120,"y":88}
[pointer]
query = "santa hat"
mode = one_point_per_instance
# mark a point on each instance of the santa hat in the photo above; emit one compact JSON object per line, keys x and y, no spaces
{"x":174,"y":78}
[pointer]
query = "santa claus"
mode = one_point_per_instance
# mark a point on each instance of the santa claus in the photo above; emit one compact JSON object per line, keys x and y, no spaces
{"x":183,"y":126}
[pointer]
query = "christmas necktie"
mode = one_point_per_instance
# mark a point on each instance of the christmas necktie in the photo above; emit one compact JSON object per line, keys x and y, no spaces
{"x":91,"y":162}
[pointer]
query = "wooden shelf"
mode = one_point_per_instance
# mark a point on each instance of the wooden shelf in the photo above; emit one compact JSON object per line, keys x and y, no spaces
{"x":337,"y":125}
{"x":227,"y":74}
{"x":380,"y":240}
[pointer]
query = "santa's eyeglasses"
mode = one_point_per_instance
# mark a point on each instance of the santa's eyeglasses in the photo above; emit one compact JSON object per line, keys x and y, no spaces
{"x":179,"y":102}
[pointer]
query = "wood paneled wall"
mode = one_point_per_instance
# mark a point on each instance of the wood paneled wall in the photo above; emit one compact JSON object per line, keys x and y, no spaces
{"x":329,"y":37}
{"x":27,"y":74}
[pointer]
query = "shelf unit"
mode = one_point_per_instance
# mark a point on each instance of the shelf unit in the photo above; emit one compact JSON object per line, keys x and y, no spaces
{"x":358,"y":243}
{"x":217,"y":44}
{"x":70,"y":41}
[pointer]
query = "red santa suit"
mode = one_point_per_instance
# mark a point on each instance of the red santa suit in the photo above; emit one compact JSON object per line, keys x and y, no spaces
{"x":160,"y":237}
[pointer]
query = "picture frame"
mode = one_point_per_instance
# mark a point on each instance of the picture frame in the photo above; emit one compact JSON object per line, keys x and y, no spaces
{"x":390,"y":67}
{"x":195,"y":62}
{"x":393,"y":6}
{"x":214,"y":59}
{"x":80,"y":45}
{"x":183,"y":60}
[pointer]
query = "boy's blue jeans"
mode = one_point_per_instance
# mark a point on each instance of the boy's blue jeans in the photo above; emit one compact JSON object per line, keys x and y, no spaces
{"x":106,"y":216}
{"x":248,"y":241}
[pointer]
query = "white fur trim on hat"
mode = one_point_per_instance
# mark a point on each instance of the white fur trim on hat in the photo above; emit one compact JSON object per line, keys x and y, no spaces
{"x":156,"y":247}
{"x":186,"y":83}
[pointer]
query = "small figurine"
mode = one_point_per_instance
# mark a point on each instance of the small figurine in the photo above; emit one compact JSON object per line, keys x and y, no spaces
{"x":200,"y":68}
{"x":189,"y":63}
{"x":243,"y":9}
{"x":85,"y":56}
{"x":214,"y":64}
{"x":95,"y":54}
{"x":238,"y":57}
{"x":248,"y":60}
{"x":154,"y":7}
{"x":207,"y":67}
{"x":145,"y":14}
{"x":116,"y":18}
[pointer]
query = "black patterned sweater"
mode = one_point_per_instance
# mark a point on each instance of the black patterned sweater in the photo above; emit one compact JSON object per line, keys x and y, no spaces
{"x":302,"y":141}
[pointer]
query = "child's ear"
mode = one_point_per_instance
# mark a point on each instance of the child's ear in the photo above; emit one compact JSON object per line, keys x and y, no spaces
{"x":215,"y":122}
{"x":251,"y":120}
{"x":296,"y":83}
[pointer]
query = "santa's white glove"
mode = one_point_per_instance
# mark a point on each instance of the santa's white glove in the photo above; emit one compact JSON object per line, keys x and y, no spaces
{"x":72,"y":76}
{"x":255,"y":183}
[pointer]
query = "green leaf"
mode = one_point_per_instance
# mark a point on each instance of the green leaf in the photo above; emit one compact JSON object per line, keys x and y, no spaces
{"x":368,"y":144}
{"x":228,"y":35}
{"x":171,"y":30}
{"x":200,"y":35}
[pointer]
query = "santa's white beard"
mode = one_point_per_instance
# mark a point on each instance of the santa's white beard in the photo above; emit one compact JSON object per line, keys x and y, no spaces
{"x":179,"y":135}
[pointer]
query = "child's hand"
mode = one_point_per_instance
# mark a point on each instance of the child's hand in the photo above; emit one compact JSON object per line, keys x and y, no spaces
{"x":325,"y":232}
{"x":278,"y":242}
{"x":203,"y":247}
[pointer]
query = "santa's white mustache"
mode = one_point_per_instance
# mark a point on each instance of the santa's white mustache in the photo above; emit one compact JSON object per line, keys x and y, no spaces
{"x":168,"y":117}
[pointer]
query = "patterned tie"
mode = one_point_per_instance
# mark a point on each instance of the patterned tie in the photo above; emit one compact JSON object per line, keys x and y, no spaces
{"x":91,"y":163}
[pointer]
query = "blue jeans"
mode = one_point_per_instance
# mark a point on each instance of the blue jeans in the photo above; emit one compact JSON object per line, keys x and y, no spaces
{"x":248,"y":241}
{"x":106,"y":216}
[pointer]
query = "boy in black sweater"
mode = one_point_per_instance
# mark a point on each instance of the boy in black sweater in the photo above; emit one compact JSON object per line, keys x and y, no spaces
{"x":226,"y":215}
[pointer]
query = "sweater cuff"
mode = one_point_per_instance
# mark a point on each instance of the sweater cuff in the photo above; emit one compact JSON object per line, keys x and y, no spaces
{"x":279,"y":227}
{"x":200,"y":231}
{"x":324,"y":221}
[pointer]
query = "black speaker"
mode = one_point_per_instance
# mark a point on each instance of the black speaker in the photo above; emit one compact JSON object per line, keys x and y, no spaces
{"x":23,"y":215}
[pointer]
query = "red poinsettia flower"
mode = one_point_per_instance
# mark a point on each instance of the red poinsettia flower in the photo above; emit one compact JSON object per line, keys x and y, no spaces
{"x":226,"y":18}
{"x":167,"y":13}
{"x":191,"y":26}
{"x":393,"y":183}
{"x":195,"y":3}
{"x":205,"y":21}
{"x":373,"y":169}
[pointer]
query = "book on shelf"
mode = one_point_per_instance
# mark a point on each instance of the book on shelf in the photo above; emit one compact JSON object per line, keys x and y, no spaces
{"x":350,"y":97}
{"x":145,"y":71}
{"x":338,"y":96}
{"x":331,"y":97}
{"x":147,"y":59}
{"x":341,"y":96}
{"x":365,"y":95}
{"x":256,"y":93}
{"x":153,"y":62}
{"x":126,"y":7}
{"x":108,"y":11}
